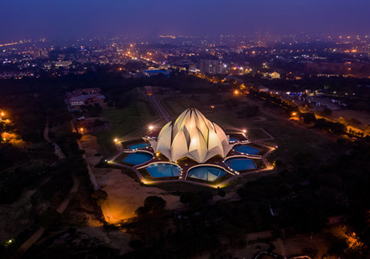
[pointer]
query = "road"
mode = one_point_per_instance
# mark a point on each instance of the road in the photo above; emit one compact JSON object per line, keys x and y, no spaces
{"x":159,"y":108}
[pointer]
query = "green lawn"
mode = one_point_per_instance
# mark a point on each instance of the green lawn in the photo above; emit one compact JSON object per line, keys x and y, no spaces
{"x":176,"y":104}
{"x":131,"y":120}
{"x":256,"y":134}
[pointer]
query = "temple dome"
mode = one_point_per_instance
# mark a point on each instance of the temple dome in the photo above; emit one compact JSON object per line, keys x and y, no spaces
{"x":192,"y":135}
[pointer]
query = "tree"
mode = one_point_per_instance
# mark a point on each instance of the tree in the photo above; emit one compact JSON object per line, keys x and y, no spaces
{"x":50,"y":219}
{"x":326,"y":112}
{"x":337,"y":128}
{"x":221,"y":193}
{"x":308,"y":117}
{"x":100,"y":196}
{"x":320,"y":123}
{"x":154,"y":203}
{"x":196,"y":200}
{"x":32,"y":136}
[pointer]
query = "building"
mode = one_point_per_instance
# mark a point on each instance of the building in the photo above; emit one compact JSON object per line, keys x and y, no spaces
{"x":208,"y":66}
{"x":162,"y":72}
{"x":192,"y":135}
{"x":271,"y":76}
{"x":193,"y":149}
{"x":87,"y":96}
{"x":41,"y":53}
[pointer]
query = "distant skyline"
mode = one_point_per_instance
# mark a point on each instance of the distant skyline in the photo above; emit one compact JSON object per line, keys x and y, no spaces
{"x":107,"y":18}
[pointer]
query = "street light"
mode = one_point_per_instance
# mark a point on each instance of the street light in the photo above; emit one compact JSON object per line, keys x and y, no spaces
{"x":151,"y":127}
{"x":244,"y":131}
{"x":115,"y":140}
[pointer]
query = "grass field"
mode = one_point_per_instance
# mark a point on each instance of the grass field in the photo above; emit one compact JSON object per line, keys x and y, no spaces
{"x":175,"y":105}
{"x":131,"y":119}
{"x":257,"y":134}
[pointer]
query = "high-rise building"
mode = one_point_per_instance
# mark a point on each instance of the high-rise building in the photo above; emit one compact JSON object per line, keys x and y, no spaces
{"x":208,"y":66}
{"x":41,"y":53}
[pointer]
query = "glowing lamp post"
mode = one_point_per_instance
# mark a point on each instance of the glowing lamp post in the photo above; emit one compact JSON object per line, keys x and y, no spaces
{"x":118,"y":144}
{"x":151,"y":127}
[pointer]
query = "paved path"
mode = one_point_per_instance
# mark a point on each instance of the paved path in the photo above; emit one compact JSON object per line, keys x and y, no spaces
{"x":57,"y":149}
{"x":159,"y":108}
{"x":64,"y":205}
{"x":30,"y":241}
{"x":134,"y":134}
{"x":88,"y":166}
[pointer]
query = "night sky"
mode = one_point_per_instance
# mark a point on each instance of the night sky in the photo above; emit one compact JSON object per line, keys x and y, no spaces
{"x":81,"y":18}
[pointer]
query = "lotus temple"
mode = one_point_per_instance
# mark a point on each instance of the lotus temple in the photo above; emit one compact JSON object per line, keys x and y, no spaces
{"x":192,"y":149}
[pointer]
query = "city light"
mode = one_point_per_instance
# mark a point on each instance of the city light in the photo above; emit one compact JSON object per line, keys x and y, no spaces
{"x":244,"y":131}
{"x":115,"y":140}
{"x":236,"y":92}
{"x":151,"y":127}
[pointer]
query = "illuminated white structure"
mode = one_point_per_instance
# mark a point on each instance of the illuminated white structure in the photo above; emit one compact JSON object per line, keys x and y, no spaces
{"x":192,"y":135}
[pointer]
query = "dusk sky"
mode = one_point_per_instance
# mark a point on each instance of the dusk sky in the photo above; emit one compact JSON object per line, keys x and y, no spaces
{"x":75,"y":18}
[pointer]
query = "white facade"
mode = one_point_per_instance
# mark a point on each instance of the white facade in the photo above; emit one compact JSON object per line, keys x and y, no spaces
{"x":192,"y":135}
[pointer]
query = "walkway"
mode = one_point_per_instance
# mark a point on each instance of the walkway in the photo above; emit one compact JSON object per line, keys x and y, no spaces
{"x":57,"y":149}
{"x":88,"y":166}
{"x":159,"y":108}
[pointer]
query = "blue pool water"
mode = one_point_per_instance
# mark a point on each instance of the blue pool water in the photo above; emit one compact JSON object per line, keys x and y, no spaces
{"x":233,"y":139}
{"x":137,"y":158}
{"x":240,"y":163}
{"x":207,"y":173}
{"x":163,"y":170}
{"x":140,"y":145}
{"x":247,"y":149}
